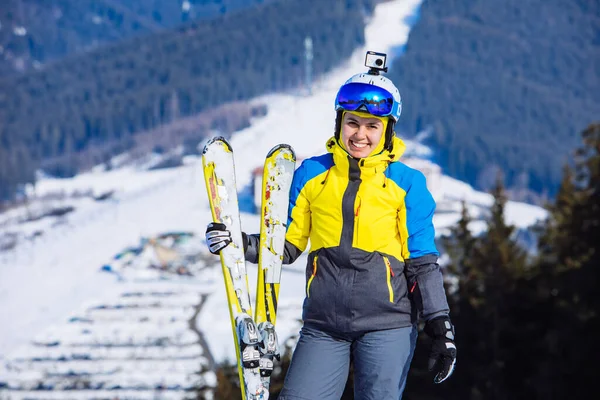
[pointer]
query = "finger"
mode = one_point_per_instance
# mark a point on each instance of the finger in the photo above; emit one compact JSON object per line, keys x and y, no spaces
{"x":215,"y":241}
{"x":446,"y":370}
{"x":218,"y":234}
{"x":216,"y":247}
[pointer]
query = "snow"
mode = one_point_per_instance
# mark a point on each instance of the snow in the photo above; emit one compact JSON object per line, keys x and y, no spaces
{"x":132,"y":331}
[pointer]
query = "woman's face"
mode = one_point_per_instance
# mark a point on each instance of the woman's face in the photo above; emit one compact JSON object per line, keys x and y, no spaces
{"x":361,"y":135}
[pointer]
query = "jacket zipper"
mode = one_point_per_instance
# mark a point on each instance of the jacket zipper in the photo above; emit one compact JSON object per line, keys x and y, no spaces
{"x":356,"y":223}
{"x":389,"y":273}
{"x":314,"y":273}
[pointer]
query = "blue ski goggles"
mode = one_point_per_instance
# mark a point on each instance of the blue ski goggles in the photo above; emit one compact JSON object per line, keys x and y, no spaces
{"x":377,"y":101}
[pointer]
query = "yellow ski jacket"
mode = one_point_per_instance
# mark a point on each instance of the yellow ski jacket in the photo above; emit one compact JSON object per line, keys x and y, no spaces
{"x":372,"y":262}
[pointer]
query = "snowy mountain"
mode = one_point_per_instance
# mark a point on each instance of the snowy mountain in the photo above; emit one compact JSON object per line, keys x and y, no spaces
{"x":115,"y":295}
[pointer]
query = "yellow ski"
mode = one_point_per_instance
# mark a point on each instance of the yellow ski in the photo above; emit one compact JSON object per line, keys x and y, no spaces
{"x":219,"y":175}
{"x":278,"y":172}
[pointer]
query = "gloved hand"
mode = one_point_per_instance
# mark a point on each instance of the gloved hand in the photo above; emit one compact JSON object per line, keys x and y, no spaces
{"x":442,"y":356}
{"x":217,"y":237}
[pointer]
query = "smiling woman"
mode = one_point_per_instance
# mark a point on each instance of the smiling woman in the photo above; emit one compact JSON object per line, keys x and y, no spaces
{"x":372,"y":266}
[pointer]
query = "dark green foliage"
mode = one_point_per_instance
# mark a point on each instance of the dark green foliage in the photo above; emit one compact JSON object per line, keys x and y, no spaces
{"x":459,"y":246}
{"x":526,"y":328}
{"x":569,"y":271}
{"x":503,"y":84}
{"x":486,"y":267}
{"x":58,"y":28}
{"x":117,"y":91}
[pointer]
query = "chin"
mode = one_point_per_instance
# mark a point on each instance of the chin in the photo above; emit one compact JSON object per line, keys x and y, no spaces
{"x":359,"y":154}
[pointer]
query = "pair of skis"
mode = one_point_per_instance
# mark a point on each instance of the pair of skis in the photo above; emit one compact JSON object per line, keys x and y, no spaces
{"x":254,"y":336}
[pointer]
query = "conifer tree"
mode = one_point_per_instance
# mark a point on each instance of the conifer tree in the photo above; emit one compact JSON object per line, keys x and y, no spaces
{"x":459,"y":246}
{"x":466,"y":301}
{"x":497,"y":262}
{"x":568,"y":265}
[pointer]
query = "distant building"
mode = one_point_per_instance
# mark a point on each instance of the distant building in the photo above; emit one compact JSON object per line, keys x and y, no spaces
{"x":257,"y":187}
{"x":432,"y":172}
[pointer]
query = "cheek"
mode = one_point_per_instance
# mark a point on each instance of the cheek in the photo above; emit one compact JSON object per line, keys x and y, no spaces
{"x":376,"y":136}
{"x":346,"y":133}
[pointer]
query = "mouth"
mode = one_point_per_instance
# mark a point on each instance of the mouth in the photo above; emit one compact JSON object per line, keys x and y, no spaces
{"x":358,"y":145}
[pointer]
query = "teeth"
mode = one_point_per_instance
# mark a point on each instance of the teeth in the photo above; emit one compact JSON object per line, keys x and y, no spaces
{"x":359,"y":145}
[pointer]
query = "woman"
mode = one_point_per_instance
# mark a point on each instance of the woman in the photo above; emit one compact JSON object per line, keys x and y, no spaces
{"x":372,"y":267}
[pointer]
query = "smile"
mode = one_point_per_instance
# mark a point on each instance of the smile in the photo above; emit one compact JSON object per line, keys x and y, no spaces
{"x":358,"y":145}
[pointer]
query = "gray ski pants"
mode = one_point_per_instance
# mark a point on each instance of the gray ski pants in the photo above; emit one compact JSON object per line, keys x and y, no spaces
{"x":321,"y":361}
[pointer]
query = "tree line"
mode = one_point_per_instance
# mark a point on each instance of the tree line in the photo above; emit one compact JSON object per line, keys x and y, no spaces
{"x":527,"y":324}
{"x":53,"y":29}
{"x":114,"y":92}
{"x":501,"y":84}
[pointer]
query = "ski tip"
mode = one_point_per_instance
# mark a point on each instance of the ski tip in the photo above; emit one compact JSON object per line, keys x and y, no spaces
{"x":214,"y":140}
{"x":282,"y":146}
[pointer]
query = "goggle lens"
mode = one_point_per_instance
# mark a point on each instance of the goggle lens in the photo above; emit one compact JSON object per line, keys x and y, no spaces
{"x":376,"y":100}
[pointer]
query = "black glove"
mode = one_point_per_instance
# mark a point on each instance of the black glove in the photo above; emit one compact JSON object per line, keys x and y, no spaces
{"x":442,"y":356}
{"x":217,"y":237}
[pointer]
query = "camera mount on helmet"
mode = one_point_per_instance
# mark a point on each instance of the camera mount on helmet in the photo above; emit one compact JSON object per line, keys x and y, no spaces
{"x":376,"y":62}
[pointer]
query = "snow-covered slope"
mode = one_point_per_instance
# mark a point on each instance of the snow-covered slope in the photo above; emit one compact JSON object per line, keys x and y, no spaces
{"x":53,"y":279}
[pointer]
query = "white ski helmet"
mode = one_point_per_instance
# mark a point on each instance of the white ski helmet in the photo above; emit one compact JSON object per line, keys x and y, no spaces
{"x":364,"y":97}
{"x":372,"y":93}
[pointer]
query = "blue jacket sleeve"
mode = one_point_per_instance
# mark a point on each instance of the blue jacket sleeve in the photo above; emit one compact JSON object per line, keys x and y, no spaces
{"x":422,"y":269}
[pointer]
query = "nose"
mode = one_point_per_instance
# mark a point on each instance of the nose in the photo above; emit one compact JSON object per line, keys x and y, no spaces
{"x":362,"y":131}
